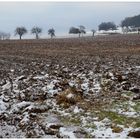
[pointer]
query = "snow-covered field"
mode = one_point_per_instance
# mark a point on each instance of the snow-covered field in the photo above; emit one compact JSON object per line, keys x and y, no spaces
{"x":70,"y":88}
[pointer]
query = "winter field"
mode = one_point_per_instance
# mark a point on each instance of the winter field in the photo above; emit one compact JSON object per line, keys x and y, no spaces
{"x":70,"y":88}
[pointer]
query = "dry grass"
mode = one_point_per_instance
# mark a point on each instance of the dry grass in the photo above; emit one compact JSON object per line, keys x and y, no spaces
{"x":69,"y":97}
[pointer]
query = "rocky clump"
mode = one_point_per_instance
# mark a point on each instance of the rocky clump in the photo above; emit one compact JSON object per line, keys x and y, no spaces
{"x":134,"y":134}
{"x":69,"y":97}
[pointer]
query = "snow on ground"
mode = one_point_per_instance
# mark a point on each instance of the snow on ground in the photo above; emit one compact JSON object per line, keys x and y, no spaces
{"x":3,"y":106}
{"x":137,"y":67}
{"x":119,"y":30}
{"x":30,"y":99}
{"x":18,"y":106}
{"x":126,"y":108}
{"x":6,"y":86}
{"x":67,"y":132}
{"x":102,"y":131}
{"x":10,"y":131}
{"x":76,"y":110}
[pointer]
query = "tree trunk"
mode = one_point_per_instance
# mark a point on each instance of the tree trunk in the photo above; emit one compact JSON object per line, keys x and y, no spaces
{"x":37,"y":36}
{"x":79,"y":35}
{"x":20,"y":37}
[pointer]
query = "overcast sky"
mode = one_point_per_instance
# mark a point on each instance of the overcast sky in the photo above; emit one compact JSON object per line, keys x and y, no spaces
{"x":62,"y":15}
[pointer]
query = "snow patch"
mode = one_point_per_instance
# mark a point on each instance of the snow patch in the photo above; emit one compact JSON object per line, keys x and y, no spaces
{"x":3,"y":106}
{"x":67,"y":132}
{"x":77,"y":110}
{"x":6,"y":86}
{"x":17,"y":107}
{"x":103,"y":131}
{"x":84,"y":86}
{"x":70,"y":96}
{"x":8,"y":131}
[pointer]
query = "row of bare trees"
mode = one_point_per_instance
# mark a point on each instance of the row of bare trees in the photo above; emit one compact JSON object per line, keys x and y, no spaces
{"x":129,"y":24}
{"x":81,"y":30}
{"x":35,"y":30}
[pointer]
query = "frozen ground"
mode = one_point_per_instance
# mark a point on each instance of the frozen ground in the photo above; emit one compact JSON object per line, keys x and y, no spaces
{"x":70,"y":88}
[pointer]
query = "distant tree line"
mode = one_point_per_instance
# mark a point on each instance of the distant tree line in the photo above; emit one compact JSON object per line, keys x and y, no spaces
{"x":107,"y":26}
{"x":131,"y":21}
{"x":129,"y":24}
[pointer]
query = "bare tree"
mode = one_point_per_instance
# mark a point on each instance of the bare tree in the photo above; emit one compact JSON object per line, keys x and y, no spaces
{"x":4,"y":36}
{"x":51,"y":32}
{"x":107,"y":26}
{"x":93,"y":32}
{"x":74,"y":30}
{"x":36,"y":31}
{"x":82,"y":30}
{"x":20,"y":31}
{"x":138,"y":30}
